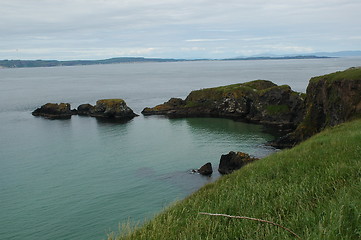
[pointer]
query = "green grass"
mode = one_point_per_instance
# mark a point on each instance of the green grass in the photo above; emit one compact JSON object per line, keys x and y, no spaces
{"x":349,"y":74}
{"x":314,"y":189}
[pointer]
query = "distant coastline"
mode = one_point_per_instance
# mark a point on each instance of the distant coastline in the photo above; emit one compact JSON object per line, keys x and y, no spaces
{"x":55,"y":63}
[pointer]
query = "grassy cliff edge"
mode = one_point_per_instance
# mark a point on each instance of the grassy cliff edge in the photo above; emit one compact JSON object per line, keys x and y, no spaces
{"x":314,"y":189}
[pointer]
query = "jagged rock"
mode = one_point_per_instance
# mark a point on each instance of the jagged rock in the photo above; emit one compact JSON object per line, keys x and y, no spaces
{"x":331,"y":99}
{"x":105,"y":108}
{"x":112,"y":108}
{"x":163,"y":109}
{"x":206,"y":169}
{"x":233,"y":161}
{"x":54,"y":111}
{"x":258,"y":101}
{"x":85,"y":109}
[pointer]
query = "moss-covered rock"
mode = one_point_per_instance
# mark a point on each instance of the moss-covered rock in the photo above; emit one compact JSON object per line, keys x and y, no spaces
{"x":105,"y":108}
{"x":331,"y":99}
{"x":112,"y":108}
{"x":257,"y":101}
{"x":54,"y":111}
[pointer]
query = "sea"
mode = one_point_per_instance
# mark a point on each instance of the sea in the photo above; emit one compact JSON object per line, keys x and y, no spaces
{"x":84,"y":177}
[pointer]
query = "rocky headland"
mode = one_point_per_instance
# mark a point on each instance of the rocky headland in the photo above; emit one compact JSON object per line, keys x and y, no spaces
{"x":330,"y":100}
{"x":258,"y":101}
{"x":105,"y":108}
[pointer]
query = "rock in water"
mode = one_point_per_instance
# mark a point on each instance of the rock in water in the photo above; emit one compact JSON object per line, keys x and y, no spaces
{"x":54,"y":111}
{"x":206,"y":169}
{"x":112,"y":108}
{"x":85,"y":109}
{"x":233,"y":161}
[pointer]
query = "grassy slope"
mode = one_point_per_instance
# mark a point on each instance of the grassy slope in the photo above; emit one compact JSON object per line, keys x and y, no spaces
{"x":314,"y":189}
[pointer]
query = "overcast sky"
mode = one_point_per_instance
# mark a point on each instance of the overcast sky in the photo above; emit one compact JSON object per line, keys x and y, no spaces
{"x":97,"y":29}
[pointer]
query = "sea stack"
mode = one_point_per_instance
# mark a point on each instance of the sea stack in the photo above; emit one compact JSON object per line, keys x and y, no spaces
{"x":112,"y":108}
{"x":54,"y":111}
{"x":105,"y":108}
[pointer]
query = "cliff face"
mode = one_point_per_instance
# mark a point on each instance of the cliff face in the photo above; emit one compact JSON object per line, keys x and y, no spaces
{"x":258,"y":101}
{"x":331,"y":99}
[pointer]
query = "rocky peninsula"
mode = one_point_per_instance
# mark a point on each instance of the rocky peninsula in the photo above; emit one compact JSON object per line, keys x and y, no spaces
{"x":329,"y":100}
{"x":258,"y":101}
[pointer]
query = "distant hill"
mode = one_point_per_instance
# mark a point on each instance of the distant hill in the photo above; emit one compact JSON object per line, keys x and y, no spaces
{"x":339,"y":54}
{"x":276,"y":57}
{"x":53,"y":63}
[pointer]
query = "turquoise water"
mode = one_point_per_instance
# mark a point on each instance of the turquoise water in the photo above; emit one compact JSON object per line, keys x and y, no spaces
{"x":80,"y":178}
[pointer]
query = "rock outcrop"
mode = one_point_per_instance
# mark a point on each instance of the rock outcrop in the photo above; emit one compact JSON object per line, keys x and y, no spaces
{"x":54,"y":111}
{"x":331,"y":99}
{"x":85,"y":109}
{"x":206,"y":169}
{"x":105,"y":108}
{"x":233,"y":161}
{"x":112,"y":108}
{"x":258,"y":101}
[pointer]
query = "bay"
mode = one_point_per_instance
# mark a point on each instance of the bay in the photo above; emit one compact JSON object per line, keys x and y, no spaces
{"x":80,"y":178}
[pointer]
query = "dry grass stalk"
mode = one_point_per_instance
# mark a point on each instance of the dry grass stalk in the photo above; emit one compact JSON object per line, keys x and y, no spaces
{"x":250,"y":218}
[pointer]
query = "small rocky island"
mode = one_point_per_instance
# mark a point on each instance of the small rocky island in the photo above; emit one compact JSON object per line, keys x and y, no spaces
{"x":54,"y":111}
{"x":259,"y":101}
{"x":105,"y":108}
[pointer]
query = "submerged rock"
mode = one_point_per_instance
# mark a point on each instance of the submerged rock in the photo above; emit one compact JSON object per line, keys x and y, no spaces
{"x":259,"y":101}
{"x":54,"y":111}
{"x":206,"y":169}
{"x":233,"y":161}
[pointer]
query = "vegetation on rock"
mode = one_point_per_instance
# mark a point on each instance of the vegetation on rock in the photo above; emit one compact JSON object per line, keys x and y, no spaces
{"x":54,"y":111}
{"x":331,"y":99}
{"x":112,"y":108}
{"x":259,"y":101}
{"x":105,"y":108}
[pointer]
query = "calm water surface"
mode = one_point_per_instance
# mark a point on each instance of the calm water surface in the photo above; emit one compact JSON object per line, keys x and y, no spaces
{"x":80,"y":178}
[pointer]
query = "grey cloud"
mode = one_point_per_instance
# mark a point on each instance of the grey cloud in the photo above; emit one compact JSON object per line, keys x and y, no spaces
{"x":173,"y":28}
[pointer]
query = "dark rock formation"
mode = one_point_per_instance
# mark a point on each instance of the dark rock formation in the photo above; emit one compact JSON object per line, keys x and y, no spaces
{"x":112,"y":108}
{"x":163,"y":109}
{"x":85,"y":109}
{"x":206,"y":169}
{"x":331,"y":99}
{"x":233,"y":161}
{"x":106,"y":108}
{"x":258,"y":101}
{"x":54,"y":111}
